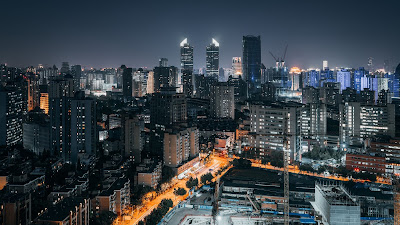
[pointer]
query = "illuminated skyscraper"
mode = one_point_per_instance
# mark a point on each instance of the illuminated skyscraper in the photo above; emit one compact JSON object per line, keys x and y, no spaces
{"x":252,"y":62}
{"x":237,"y":66}
{"x":212,"y":59}
{"x":344,"y":78}
{"x":11,"y":110}
{"x":186,"y":56}
{"x":325,"y":65}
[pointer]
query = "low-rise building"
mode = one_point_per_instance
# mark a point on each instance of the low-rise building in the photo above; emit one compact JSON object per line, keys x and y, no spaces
{"x":149,"y":173}
{"x":366,"y":163}
{"x":115,"y":199}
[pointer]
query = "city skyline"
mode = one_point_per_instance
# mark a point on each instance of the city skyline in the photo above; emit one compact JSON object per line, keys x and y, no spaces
{"x":103,"y":35}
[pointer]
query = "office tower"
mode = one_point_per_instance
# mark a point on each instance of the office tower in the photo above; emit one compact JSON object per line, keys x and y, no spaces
{"x":395,"y":83}
{"x":82,"y":129}
{"x":165,"y":77}
{"x":252,"y":62}
{"x":325,"y":65}
{"x":163,"y":62}
{"x":237,"y":66}
{"x":33,"y":91}
{"x":212,"y":59}
{"x":44,"y":98}
{"x":265,"y":119}
{"x":222,"y":102}
{"x":334,"y":205}
{"x":11,"y":110}
{"x":239,"y":88}
{"x":168,"y":107}
{"x":127,"y":84}
{"x":180,"y":145}
{"x":310,"y":94}
{"x":65,"y":69}
{"x":359,"y":121}
{"x":133,"y":127}
{"x":221,"y":75}
{"x":186,"y":56}
{"x":344,"y":78}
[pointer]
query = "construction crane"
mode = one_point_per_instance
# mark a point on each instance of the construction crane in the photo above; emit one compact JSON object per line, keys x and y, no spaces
{"x":286,"y":180}
{"x":280,"y":62}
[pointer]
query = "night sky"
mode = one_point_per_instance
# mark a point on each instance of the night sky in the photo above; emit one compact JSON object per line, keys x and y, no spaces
{"x":138,"y":32}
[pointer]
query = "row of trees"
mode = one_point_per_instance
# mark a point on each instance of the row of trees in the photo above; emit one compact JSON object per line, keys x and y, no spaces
{"x":341,"y":170}
{"x":157,"y":214}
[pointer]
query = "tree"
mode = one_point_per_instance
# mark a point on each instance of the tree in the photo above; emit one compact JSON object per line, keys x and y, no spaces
{"x":276,"y":158}
{"x":180,"y":191}
{"x":167,"y":203}
{"x":167,"y":174}
{"x":206,"y":178}
{"x":242,"y":163}
{"x":192,"y":183}
{"x":306,"y":167}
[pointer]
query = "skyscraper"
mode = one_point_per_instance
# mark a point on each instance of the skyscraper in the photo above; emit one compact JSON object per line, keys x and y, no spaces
{"x":252,"y":62}
{"x":325,"y":65}
{"x":127,"y":84}
{"x":344,"y":78}
{"x":64,"y":68}
{"x":186,"y":56}
{"x":237,"y":66}
{"x":212,"y":59}
{"x":33,"y":91}
{"x":222,"y":102}
{"x":11,"y":109}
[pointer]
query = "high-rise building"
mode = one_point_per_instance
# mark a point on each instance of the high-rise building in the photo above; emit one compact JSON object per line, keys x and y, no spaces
{"x":163,"y":62}
{"x":222,"y":102}
{"x":237,"y":66}
{"x":212,"y":59}
{"x":310,"y":94}
{"x":44,"y":98}
{"x":186,"y":56}
{"x":133,"y":128}
{"x":33,"y":91}
{"x":313,"y":120}
{"x":65,"y":68}
{"x":273,"y":124}
{"x":36,"y":133}
{"x":82,"y":128}
{"x":252,"y":62}
{"x":358,"y":75}
{"x":187,"y":83}
{"x":359,"y":121}
{"x":165,"y":77}
{"x":11,"y":110}
{"x":325,"y":65}
{"x":239,"y":88}
{"x":180,"y":145}
{"x":168,"y":107}
{"x":76,"y":72}
{"x":127,"y":84}
{"x":344,"y":78}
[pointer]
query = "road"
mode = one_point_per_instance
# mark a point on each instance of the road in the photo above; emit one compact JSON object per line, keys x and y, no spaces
{"x":147,"y":207}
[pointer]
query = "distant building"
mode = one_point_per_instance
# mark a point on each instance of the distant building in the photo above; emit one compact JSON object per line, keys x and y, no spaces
{"x":335,"y":205}
{"x":186,"y":56}
{"x":325,"y":65}
{"x":164,"y":77}
{"x":36,"y":136}
{"x":252,"y":62}
{"x":222,"y":102}
{"x":344,"y":78}
{"x":33,"y":91}
{"x":65,"y":68}
{"x":133,"y":127}
{"x":237,"y":66}
{"x":212,"y":59}
{"x":11,"y":110}
{"x":127,"y":84}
